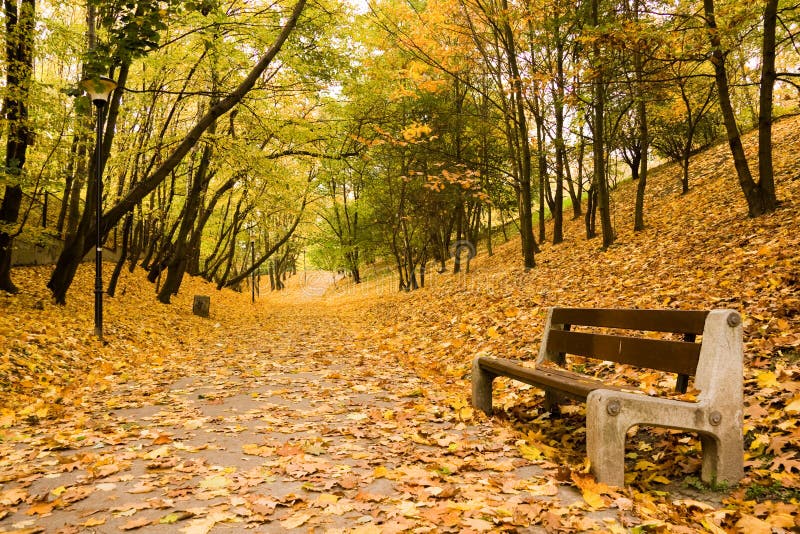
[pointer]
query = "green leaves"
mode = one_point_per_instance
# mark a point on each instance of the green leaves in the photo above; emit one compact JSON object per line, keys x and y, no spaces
{"x":127,"y":30}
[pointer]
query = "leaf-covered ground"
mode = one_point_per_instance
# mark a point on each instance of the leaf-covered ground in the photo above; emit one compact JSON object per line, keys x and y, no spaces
{"x":699,"y":251}
{"x":350,"y":411}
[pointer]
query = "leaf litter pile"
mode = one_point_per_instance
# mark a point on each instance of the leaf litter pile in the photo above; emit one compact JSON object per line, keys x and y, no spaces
{"x":350,"y":412}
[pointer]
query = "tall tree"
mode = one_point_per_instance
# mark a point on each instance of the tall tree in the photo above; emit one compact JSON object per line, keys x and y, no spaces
{"x":641,"y":116}
{"x":760,"y":196}
{"x":19,"y":34}
{"x":599,"y":89}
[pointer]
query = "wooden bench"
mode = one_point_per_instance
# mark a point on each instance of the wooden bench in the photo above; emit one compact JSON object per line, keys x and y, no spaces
{"x":715,"y":362}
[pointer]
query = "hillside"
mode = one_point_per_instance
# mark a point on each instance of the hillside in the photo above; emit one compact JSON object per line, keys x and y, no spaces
{"x":385,"y":377}
{"x":699,"y":251}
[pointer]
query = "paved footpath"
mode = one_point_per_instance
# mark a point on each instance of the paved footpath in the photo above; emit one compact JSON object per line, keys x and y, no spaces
{"x":294,"y":424}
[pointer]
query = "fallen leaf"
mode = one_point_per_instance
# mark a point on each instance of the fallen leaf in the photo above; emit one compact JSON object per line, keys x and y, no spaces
{"x":215,"y":482}
{"x":40,"y":508}
{"x":752,"y":525}
{"x":13,"y":496}
{"x":133,"y":524}
{"x":296,"y":520}
{"x":94,"y":522}
{"x":174,"y":517}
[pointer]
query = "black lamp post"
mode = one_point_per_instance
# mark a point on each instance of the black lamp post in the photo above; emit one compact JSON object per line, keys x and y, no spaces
{"x":99,"y":90}
{"x":252,"y":266}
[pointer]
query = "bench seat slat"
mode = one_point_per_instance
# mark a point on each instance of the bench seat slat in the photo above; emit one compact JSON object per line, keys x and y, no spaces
{"x":664,"y":355}
{"x":675,"y":321}
{"x":572,"y":384}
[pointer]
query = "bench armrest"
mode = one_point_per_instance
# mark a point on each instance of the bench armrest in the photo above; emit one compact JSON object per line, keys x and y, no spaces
{"x":609,"y":415}
{"x":720,"y":371}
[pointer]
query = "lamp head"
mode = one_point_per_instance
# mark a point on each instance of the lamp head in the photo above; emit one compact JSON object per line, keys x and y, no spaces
{"x":99,"y":89}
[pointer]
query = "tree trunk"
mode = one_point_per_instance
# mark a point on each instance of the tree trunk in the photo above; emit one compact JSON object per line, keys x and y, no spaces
{"x":558,"y":205}
{"x":525,"y":215}
{"x":766,"y":177}
{"x":759,"y":201}
{"x":81,"y":172}
{"x":127,"y":227}
{"x":644,"y":136}
{"x":69,"y":180}
{"x":543,"y":176}
{"x":590,"y":219}
{"x":599,"y":102}
{"x":137,"y":242}
{"x":459,"y":237}
{"x":577,"y":194}
{"x":178,"y":260}
{"x":19,"y":67}
{"x":489,"y":247}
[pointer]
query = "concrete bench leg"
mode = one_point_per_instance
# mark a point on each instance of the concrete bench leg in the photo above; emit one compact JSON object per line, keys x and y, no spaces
{"x":723,"y":457}
{"x":605,"y":442}
{"x":481,"y":387}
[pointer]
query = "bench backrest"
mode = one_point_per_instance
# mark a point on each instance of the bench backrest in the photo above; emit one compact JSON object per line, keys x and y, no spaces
{"x":673,"y":356}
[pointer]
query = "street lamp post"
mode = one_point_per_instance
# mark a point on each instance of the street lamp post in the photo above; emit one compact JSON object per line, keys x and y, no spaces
{"x":99,"y":90}
{"x":252,"y":266}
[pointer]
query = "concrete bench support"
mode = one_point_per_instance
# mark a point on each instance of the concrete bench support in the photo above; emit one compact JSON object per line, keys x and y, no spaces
{"x":716,"y":414}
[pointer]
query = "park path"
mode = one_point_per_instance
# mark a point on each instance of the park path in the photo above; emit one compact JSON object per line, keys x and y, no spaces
{"x":297,"y":421}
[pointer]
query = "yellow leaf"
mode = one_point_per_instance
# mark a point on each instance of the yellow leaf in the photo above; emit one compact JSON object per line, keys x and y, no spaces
{"x":492,"y":332}
{"x":595,"y":500}
{"x":327,"y":498}
{"x":95,"y":522}
{"x":753,"y":525}
{"x":761,"y":440}
{"x":458,"y":404}
{"x":157,"y":453}
{"x":529,"y":452}
{"x":215,"y":482}
{"x":793,"y":407}
{"x":380,"y":472}
{"x":781,"y":520}
{"x":416,"y":438}
{"x":767,"y":379}
{"x":174,"y":517}
{"x":134,"y":524}
{"x":548,"y":489}
{"x":591,"y":490}
{"x":691,"y":503}
{"x":643,"y":465}
{"x":661,"y":479}
{"x":711,"y":527}
{"x":296,"y":520}
{"x":41,"y":508}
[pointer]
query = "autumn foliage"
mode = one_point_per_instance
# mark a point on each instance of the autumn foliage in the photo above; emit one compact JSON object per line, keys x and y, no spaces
{"x":699,"y":251}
